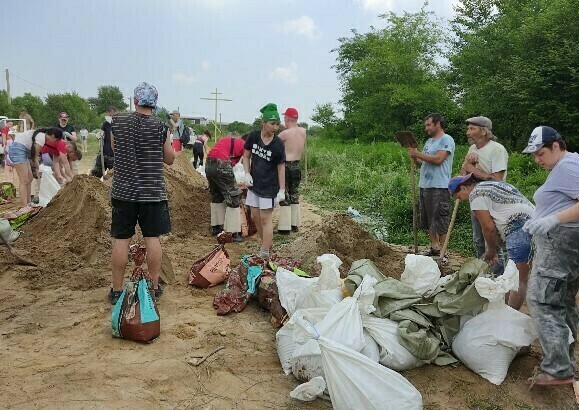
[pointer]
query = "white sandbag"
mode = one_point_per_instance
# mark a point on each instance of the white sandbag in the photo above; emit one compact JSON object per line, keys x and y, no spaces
{"x":239,"y":173}
{"x":284,"y":338}
{"x":309,"y":391}
{"x":420,"y":272}
{"x":49,"y":186}
{"x":356,"y":382}
{"x":488,"y":342}
{"x":372,"y":349}
{"x":392,"y":354}
{"x":296,"y":292}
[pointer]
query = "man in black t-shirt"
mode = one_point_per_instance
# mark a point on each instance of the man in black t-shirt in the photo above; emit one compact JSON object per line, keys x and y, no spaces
{"x":264,"y":164}
{"x":64,"y":126}
{"x":108,"y":154}
{"x":138,"y":194}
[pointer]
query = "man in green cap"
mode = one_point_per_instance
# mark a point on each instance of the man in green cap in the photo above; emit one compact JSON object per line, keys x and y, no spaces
{"x":264,"y":163}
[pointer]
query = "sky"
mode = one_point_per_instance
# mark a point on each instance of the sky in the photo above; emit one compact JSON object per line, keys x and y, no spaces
{"x":253,"y":51}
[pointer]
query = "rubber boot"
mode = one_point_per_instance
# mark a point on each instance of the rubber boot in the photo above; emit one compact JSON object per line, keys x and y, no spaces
{"x":233,"y":224}
{"x":217,"y":217}
{"x":285,"y":218}
{"x":296,"y":217}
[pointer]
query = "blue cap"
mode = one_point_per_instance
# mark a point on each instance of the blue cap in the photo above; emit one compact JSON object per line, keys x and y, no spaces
{"x":454,"y":183}
{"x":539,"y":137}
{"x":146,"y":95}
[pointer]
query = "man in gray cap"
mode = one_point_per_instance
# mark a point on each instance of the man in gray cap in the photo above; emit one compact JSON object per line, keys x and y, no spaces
{"x":141,"y":143}
{"x":487,"y":160}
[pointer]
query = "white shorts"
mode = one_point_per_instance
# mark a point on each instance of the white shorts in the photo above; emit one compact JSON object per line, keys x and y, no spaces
{"x":258,"y":202}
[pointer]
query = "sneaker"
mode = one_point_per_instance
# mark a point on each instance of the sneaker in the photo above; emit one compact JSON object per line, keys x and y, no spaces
{"x":35,"y":200}
{"x":216,"y":230}
{"x":282,"y":232}
{"x":237,"y":238}
{"x":295,"y":228}
{"x":114,"y":296}
{"x":158,"y":292}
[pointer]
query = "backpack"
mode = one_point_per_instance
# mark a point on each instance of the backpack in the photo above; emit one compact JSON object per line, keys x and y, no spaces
{"x":185,"y":136}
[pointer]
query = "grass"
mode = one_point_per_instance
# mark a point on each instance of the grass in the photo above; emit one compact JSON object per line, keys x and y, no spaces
{"x":374,"y":178}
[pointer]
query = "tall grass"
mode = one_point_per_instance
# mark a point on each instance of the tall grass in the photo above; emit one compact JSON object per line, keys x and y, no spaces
{"x":375,"y":179}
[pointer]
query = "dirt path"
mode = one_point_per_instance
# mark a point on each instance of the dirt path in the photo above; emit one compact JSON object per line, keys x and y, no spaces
{"x":57,"y":351}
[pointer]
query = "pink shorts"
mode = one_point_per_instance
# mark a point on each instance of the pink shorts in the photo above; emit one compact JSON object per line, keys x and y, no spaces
{"x":177,"y":145}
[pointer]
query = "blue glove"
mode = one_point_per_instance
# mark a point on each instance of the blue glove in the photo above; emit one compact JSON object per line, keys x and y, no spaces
{"x":542,"y":225}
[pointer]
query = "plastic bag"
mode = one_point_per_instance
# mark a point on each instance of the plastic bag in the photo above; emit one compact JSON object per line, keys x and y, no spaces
{"x":392,"y":354}
{"x":356,"y":382}
{"x":420,"y":272}
{"x":309,"y":391}
{"x":488,"y":342}
{"x":49,"y":186}
{"x":210,"y":270}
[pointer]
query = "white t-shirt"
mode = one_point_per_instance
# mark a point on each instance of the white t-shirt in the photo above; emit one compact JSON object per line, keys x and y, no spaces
{"x":493,"y":157}
{"x":84,"y":132}
{"x":25,"y":138}
{"x":507,"y":206}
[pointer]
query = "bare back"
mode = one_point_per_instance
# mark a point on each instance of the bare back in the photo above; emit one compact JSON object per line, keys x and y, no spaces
{"x":294,"y":140}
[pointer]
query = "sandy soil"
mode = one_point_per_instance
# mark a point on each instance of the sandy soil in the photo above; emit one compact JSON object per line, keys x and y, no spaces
{"x":57,"y":351}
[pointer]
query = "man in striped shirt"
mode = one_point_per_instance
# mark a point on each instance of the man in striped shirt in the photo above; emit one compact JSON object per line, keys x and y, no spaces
{"x":141,"y":144}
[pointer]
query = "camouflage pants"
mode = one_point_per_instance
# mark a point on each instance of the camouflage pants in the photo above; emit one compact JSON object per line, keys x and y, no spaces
{"x":551,"y":293}
{"x":222,"y":183}
{"x":97,"y":170}
{"x":293,"y":177}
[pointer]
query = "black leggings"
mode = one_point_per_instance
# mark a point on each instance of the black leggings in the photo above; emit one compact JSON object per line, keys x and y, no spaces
{"x":197,"y":154}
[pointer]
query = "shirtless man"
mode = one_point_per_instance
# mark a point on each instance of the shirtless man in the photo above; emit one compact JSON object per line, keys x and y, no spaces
{"x":294,"y":140}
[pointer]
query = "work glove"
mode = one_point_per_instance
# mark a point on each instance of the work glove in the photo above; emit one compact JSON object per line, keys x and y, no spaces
{"x":542,"y":225}
{"x":248,"y":180}
{"x":280,"y":195}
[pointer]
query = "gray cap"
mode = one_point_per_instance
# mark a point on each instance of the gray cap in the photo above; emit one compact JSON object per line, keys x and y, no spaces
{"x":175,"y":112}
{"x":481,"y":122}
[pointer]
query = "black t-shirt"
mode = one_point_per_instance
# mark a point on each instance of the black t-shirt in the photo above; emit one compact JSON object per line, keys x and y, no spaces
{"x":264,"y":161}
{"x":107,"y":148}
{"x":69,"y":128}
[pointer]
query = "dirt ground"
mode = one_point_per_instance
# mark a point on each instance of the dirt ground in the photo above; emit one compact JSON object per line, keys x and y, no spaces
{"x":57,"y":351}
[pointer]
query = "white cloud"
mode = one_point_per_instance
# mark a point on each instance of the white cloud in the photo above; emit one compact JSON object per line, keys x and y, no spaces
{"x":288,"y":74}
{"x":184,"y":79}
{"x":379,"y":6}
{"x":303,"y":26}
{"x":188,"y":80}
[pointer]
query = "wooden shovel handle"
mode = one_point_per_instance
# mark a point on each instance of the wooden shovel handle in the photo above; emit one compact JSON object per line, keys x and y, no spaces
{"x":454,"y":212}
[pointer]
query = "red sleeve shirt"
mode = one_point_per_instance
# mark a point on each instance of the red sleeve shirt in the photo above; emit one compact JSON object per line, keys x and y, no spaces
{"x":222,"y":149}
{"x":54,"y":148}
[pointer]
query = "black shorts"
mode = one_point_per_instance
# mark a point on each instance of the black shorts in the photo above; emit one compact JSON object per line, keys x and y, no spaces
{"x":434,"y":204}
{"x":153,"y":218}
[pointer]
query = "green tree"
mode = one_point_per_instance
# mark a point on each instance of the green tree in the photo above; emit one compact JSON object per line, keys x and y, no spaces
{"x":32,"y":103}
{"x":304,"y":125}
{"x":392,"y":77}
{"x":238,"y":126}
{"x":77,"y":108}
{"x":4,"y":106}
{"x":108,"y":95}
{"x":325,"y":115}
{"x":515,"y":61}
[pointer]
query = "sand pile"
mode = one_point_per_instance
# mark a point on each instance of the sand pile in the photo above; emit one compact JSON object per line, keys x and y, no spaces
{"x":184,"y":166}
{"x":188,"y":203}
{"x":70,"y":235}
{"x":342,"y":236}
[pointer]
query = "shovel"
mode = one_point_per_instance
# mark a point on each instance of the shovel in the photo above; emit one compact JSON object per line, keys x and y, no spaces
{"x":447,"y":239}
{"x":407,"y":140}
{"x":23,"y":261}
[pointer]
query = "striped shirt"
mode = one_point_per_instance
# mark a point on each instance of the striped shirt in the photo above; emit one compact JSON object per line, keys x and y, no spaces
{"x":138,"y":146}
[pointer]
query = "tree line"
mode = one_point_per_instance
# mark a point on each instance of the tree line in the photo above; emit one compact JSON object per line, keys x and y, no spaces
{"x":514,"y":61}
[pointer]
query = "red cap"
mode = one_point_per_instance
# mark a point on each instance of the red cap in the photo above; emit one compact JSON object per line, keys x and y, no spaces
{"x":63,"y":115}
{"x":291,"y":112}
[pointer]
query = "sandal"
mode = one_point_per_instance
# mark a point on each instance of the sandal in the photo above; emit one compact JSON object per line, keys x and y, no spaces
{"x":444,"y":259}
{"x":431,"y":252}
{"x":545,"y":379}
{"x":114,"y":296}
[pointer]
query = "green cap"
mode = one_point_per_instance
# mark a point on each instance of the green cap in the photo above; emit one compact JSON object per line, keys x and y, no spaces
{"x":269,"y":113}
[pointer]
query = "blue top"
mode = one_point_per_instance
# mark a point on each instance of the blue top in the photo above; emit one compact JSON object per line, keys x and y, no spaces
{"x":561,"y":189}
{"x":437,"y":176}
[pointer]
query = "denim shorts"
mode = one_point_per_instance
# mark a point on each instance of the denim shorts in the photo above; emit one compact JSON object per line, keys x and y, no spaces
{"x":19,"y":154}
{"x":519,"y":246}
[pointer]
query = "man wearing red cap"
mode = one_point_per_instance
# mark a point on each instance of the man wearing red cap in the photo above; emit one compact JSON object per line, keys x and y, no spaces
{"x":64,"y":126}
{"x":294,"y":140}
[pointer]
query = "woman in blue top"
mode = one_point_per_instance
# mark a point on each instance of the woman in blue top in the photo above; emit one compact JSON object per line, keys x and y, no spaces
{"x":554,"y":280}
